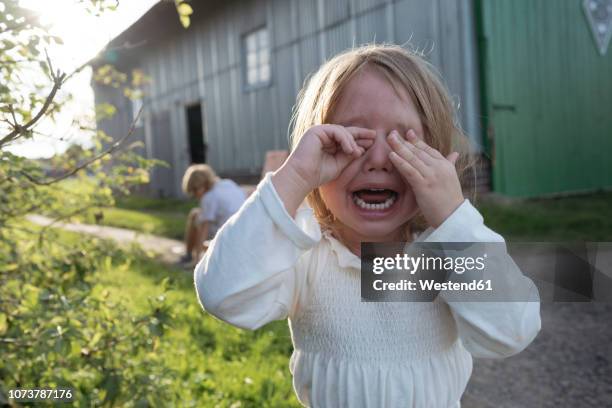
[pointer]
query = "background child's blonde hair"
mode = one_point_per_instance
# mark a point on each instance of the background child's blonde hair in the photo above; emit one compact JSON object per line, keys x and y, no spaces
{"x":405,"y":70}
{"x":198,"y":176}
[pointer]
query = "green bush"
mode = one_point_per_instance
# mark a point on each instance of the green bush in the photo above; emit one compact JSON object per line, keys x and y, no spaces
{"x":55,"y":332}
{"x":122,"y":330}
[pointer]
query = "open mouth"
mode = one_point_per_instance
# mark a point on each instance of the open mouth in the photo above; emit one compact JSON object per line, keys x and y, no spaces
{"x":378,"y":199}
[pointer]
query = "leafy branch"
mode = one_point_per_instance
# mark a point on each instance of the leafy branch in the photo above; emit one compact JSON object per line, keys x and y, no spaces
{"x":21,"y":130}
{"x":113,"y":147}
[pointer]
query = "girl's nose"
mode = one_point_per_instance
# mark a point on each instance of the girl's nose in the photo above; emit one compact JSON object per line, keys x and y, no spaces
{"x":377,"y":156}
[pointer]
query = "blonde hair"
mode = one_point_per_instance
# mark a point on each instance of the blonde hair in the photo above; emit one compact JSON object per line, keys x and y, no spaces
{"x":405,"y":70}
{"x":198,"y":176}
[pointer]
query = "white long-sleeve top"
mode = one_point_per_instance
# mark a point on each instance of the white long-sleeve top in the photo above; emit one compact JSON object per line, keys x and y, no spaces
{"x":264,"y":265}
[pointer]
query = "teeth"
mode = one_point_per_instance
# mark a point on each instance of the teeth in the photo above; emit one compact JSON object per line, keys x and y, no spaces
{"x":379,"y":207}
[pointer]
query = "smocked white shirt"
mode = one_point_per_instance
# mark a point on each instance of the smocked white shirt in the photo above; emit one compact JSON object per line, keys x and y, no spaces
{"x":264,"y":265}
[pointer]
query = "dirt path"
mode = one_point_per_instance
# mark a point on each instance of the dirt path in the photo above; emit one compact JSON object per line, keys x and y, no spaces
{"x":168,"y":250}
{"x":568,"y":365}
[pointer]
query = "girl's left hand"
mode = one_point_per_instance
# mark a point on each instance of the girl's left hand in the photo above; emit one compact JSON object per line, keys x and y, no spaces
{"x":432,"y":176}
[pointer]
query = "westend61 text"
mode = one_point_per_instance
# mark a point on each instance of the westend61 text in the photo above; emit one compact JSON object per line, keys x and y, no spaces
{"x":429,"y":285}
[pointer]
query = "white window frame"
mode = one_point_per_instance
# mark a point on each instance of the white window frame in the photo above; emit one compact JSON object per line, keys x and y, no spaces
{"x":257,"y":55}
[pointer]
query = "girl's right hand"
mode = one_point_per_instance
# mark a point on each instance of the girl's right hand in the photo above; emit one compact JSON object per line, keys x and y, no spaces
{"x":320,"y":156}
{"x":325,"y":150}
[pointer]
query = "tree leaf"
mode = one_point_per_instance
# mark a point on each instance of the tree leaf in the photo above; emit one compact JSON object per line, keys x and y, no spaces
{"x":185,"y":21}
{"x":3,"y":323}
{"x":185,"y":9}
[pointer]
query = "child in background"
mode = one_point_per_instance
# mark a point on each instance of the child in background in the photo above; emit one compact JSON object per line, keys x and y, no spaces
{"x":219,"y":199}
{"x":372,"y":154}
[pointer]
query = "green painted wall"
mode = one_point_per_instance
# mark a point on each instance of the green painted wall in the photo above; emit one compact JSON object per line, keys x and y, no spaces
{"x":547,"y":97}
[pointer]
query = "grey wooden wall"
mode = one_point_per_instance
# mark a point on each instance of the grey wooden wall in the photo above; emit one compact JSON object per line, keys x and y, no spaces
{"x":204,"y":64}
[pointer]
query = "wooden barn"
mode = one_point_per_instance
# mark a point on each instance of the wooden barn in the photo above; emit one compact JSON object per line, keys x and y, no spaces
{"x":532,"y":78}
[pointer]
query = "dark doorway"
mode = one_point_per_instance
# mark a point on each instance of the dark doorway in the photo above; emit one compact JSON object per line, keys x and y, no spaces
{"x":195,"y":132}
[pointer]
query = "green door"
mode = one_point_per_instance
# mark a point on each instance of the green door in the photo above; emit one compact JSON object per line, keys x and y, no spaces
{"x":546,"y":97}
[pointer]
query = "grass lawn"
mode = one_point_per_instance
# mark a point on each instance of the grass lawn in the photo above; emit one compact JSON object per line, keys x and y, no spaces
{"x":579,"y":218}
{"x":214,"y":364}
{"x":165,"y":217}
{"x":169,"y":225}
{"x":167,"y":221}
